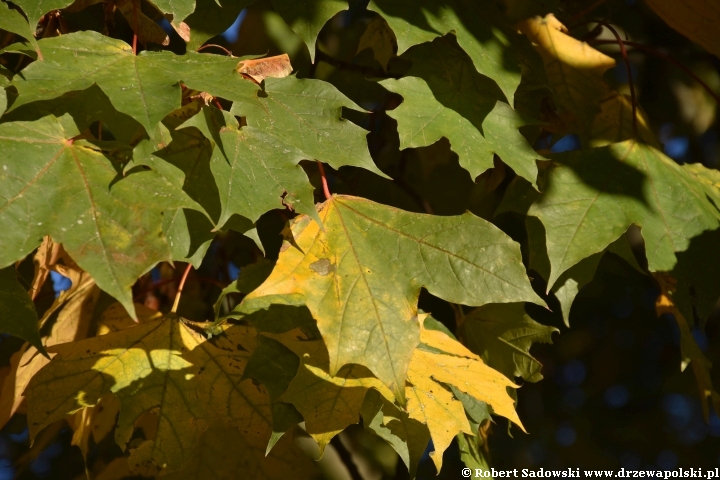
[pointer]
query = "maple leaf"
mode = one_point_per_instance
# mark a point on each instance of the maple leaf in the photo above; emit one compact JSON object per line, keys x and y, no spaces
{"x":211,"y":18}
{"x":689,"y":349}
{"x":308,"y":17}
{"x":407,"y":436}
{"x":259,"y":69}
{"x":34,"y":9}
{"x":307,"y":114}
{"x":616,"y":186}
{"x":444,"y":96}
{"x":252,"y":170}
{"x":696,"y":19}
{"x":164,"y":366}
{"x":13,"y":21}
{"x":71,"y":314}
{"x":17,"y":312}
{"x":361,"y":277}
{"x":487,"y":39}
{"x":71,"y":191}
{"x":380,"y":39}
{"x":574,"y":70}
{"x":328,"y":403}
{"x":502,"y":335}
{"x":448,"y":362}
{"x":144,"y":86}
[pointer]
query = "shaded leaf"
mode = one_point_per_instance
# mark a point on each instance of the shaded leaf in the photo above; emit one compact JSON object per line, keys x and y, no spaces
{"x":574,"y":71}
{"x":212,"y":18}
{"x":307,"y":114}
{"x":696,"y":19}
{"x":485,"y":38}
{"x":616,"y":186}
{"x":146,"y":29}
{"x":73,"y":192}
{"x":689,"y":349}
{"x":328,"y":403}
{"x":307,"y":18}
{"x":361,"y":277}
{"x":408,"y":437}
{"x":444,"y":96}
{"x":502,"y":335}
{"x":380,"y":39}
{"x":75,"y":308}
{"x":179,"y":9}
{"x":13,"y":21}
{"x":225,"y":454}
{"x":17,"y":312}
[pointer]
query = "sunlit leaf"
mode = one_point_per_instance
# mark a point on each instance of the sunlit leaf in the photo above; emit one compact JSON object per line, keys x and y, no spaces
{"x":164,"y":366}
{"x":361,"y":277}
{"x":75,"y":192}
{"x":307,"y":114}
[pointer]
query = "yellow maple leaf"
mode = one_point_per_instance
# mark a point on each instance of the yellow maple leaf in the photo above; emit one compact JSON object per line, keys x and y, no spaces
{"x":574,"y":70}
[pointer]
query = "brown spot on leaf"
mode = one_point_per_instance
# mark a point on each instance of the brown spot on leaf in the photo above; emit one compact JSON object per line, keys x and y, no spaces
{"x":322,"y":266}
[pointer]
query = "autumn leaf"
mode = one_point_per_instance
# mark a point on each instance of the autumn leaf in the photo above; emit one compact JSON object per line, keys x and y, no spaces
{"x":70,"y":190}
{"x":574,"y":70}
{"x":502,"y":335}
{"x":361,"y":277}
{"x":164,"y":366}
{"x":689,"y":349}
{"x":17,"y":312}
{"x":262,"y":68}
{"x":696,"y":19}
{"x":75,"y":308}
{"x":328,"y":403}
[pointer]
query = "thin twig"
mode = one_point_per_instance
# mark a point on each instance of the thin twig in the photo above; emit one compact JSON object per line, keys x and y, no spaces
{"x":216,"y":46}
{"x":623,"y":52}
{"x":323,"y":178}
{"x":667,"y":58}
{"x":180,"y":288}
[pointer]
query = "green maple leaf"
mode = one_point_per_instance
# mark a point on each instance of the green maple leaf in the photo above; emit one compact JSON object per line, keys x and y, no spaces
{"x":252,"y":169}
{"x":483,"y":36}
{"x":408,"y":437}
{"x":165,"y":366}
{"x":211,"y":18}
{"x":13,"y":21}
{"x":444,"y":96}
{"x":179,"y":9}
{"x":361,"y":277}
{"x":307,"y":114}
{"x":502,"y":335}
{"x":34,"y":9}
{"x":17,"y":311}
{"x":145,"y":86}
{"x":307,"y":17}
{"x":77,"y":194}
{"x":590,"y":198}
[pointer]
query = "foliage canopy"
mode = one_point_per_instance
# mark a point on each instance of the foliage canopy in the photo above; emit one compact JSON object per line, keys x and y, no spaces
{"x":131,"y":145}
